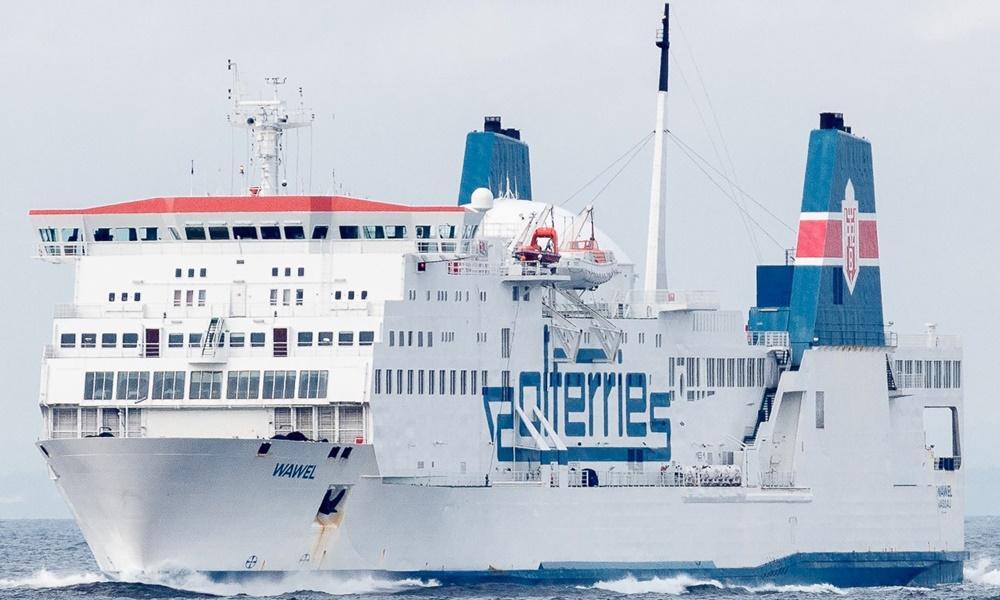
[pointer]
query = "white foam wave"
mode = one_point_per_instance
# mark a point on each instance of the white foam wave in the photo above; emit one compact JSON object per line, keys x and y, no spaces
{"x":673,"y":586}
{"x":983,"y":572}
{"x":327,"y":583}
{"x":816,"y":588}
{"x":681,"y":584}
{"x":43,"y":579}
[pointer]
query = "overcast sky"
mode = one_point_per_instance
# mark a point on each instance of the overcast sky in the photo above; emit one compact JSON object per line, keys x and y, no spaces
{"x":107,"y":102}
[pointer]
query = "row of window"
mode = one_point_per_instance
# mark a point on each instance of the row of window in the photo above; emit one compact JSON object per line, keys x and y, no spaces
{"x":204,"y":385}
{"x":223,"y":231}
{"x":442,"y":295}
{"x":300,"y":271}
{"x":412,"y":338}
{"x":340,"y":423}
{"x":136,"y":296}
{"x":349,"y":294}
{"x":929,"y":374}
{"x":72,"y":422}
{"x":202,"y":272}
{"x":237,"y":339}
{"x":108,"y":340}
{"x":430,"y":381}
{"x":717,"y":372}
{"x":187,"y":297}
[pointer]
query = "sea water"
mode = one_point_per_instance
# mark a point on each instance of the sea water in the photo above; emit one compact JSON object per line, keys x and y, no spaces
{"x":49,"y":559}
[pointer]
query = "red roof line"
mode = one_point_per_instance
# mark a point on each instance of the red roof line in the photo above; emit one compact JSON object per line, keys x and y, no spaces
{"x":243,"y":204}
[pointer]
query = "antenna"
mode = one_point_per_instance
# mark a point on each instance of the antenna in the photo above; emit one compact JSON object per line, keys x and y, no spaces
{"x":656,"y":247}
{"x":266,"y":122}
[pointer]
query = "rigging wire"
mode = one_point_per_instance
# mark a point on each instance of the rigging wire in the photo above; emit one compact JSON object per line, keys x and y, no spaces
{"x":638,"y":144}
{"x":711,"y":139}
{"x":682,"y":144}
{"x":622,"y":168}
{"x":687,"y":153}
{"x":718,"y":128}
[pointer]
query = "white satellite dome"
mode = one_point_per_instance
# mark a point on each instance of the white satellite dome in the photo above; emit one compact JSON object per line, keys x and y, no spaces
{"x":481,"y":199}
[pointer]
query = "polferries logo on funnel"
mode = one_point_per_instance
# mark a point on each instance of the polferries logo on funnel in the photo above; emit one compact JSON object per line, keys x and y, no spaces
{"x":851,"y":236}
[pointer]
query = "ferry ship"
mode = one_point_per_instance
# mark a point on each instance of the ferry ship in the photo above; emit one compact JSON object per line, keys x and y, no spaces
{"x":269,"y":383}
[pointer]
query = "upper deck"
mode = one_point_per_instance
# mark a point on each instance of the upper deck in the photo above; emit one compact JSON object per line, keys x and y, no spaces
{"x":141,"y":223}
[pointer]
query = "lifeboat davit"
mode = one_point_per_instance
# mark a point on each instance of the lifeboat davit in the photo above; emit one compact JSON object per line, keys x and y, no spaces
{"x":533,"y":251}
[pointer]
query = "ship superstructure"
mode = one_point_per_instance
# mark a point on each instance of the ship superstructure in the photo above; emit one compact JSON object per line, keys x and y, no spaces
{"x":271,"y":383}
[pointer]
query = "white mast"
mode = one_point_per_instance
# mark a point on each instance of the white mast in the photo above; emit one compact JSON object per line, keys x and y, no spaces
{"x":656,"y":245}
{"x":267,"y":121}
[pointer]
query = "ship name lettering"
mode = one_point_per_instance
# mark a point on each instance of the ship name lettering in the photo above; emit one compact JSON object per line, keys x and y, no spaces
{"x":294,"y":471}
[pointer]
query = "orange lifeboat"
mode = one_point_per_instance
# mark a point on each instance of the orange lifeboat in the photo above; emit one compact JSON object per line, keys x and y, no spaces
{"x":533,"y":251}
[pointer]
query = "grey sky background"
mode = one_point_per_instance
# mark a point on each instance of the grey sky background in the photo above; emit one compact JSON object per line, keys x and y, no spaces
{"x":109,"y":101}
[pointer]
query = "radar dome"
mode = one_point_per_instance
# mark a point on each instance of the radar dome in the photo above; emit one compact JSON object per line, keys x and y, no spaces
{"x":482,"y":199}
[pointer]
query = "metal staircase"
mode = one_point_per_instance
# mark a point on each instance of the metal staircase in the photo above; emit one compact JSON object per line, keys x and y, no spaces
{"x":569,"y":335}
{"x":889,"y":376}
{"x":211,"y":341}
{"x":763,"y":415}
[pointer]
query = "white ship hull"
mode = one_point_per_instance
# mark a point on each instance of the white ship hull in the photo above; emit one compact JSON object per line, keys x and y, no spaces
{"x":215,"y":506}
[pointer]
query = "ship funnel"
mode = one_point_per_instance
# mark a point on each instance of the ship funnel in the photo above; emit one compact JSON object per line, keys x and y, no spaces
{"x":831,"y":295}
{"x":495,"y":159}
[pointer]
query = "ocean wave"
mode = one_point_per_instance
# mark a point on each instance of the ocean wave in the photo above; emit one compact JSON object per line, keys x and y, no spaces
{"x":327,"y":583}
{"x":672,"y":586}
{"x":682,"y":584}
{"x":983,"y":572}
{"x":44,"y":579}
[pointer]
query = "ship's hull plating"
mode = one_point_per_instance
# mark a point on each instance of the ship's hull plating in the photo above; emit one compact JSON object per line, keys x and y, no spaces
{"x":217,"y":506}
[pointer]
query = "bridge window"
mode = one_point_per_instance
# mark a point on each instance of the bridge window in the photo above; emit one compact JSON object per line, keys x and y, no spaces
{"x":424,"y":232}
{"x":244,"y":232}
{"x":237,"y":339}
{"x":325,"y":338}
{"x":175,"y":340}
{"x":148,"y":234}
{"x":168,"y":385}
{"x":312,"y":384}
{"x":194,"y":232}
{"x":243,"y":385}
{"x":294,"y":232}
{"x":345,"y":338}
{"x":320,"y":231}
{"x":102,"y":234}
{"x":194,"y":340}
{"x":395,"y":232}
{"x":133,"y":385}
{"x":205,"y":385}
{"x":88,"y":340}
{"x":446,"y":231}
{"x":48,"y":234}
{"x":279,"y":385}
{"x":109,"y":340}
{"x":270,"y":232}
{"x":374,"y":232}
{"x":367,"y":338}
{"x":349,"y":232}
{"x":67,"y":340}
{"x":257,"y":339}
{"x":305,"y":338}
{"x":97,"y":385}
